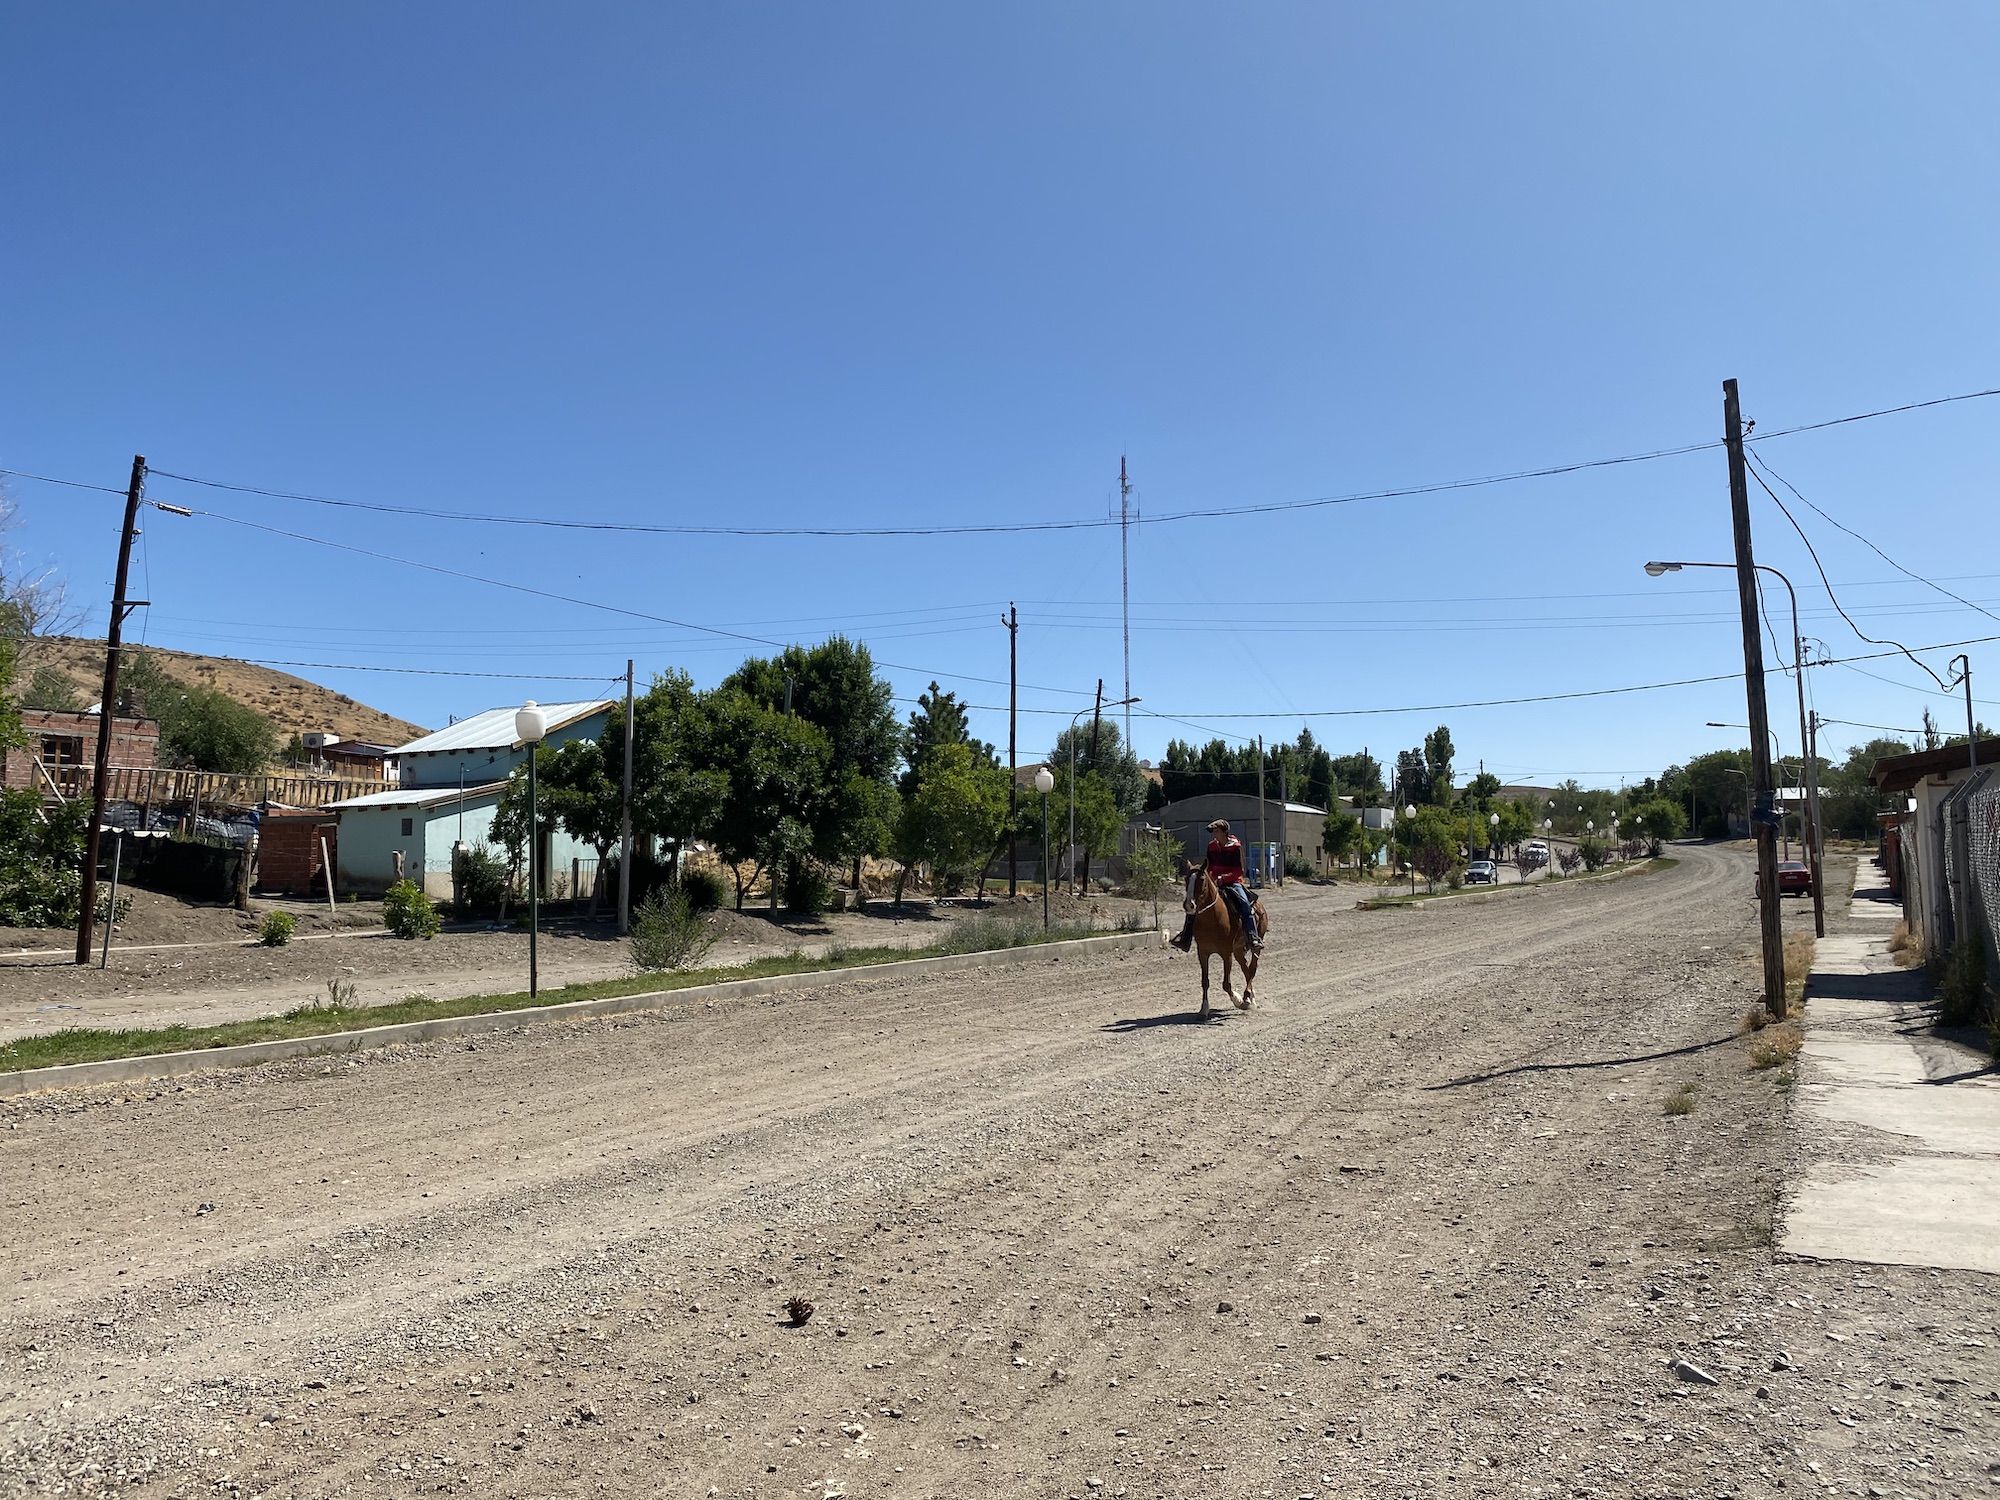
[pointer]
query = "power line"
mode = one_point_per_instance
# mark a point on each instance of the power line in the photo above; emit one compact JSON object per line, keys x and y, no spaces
{"x":1814,"y":553}
{"x":1885,"y":728}
{"x":1000,"y":528}
{"x":1926,"y":582}
{"x":616,"y":609}
{"x":73,"y":484}
{"x":353,"y":666}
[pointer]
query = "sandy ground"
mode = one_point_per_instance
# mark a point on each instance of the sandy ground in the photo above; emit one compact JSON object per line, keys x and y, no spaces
{"x":199,"y":965}
{"x":1417,"y":1225}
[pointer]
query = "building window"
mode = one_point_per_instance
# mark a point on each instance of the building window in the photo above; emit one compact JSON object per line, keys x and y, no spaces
{"x":409,"y":826}
{"x":59,"y":750}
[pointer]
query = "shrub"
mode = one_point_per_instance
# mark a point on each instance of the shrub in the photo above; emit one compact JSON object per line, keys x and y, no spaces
{"x":807,"y":889}
{"x":667,"y":932}
{"x":41,"y":864}
{"x":1593,"y":853}
{"x":1570,"y":860}
{"x":277,"y":929}
{"x":408,"y":912}
{"x":481,"y":879}
{"x":703,"y":889}
{"x":1298,"y":867}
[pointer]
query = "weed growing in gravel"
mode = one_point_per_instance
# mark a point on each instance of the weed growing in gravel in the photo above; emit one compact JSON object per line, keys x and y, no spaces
{"x":277,"y":929}
{"x":1755,"y":1019}
{"x":1906,"y":946}
{"x":1798,"y":963}
{"x":1780,"y":1046}
{"x":1681,"y":1100}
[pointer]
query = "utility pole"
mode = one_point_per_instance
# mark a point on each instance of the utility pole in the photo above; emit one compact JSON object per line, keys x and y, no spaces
{"x":107,"y":708}
{"x":625,"y":818}
{"x":1285,"y":800}
{"x":1971,"y":725}
{"x":1815,"y":835}
{"x":1263,"y":844}
{"x":1125,"y":586}
{"x":1012,"y":620}
{"x":1763,"y":815}
{"x":1096,"y":718}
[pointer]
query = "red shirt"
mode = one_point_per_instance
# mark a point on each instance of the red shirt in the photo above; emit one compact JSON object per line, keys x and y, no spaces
{"x":1225,"y":860}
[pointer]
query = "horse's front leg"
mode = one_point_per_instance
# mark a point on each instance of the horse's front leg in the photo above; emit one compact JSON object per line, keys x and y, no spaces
{"x":1227,"y":989}
{"x":1250,"y":962}
{"x":1204,"y":984}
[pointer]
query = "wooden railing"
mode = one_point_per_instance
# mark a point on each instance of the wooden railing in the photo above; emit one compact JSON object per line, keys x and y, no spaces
{"x":151,"y":786}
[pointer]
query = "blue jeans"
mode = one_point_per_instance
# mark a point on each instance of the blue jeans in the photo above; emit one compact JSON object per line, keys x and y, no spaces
{"x":1239,"y":897}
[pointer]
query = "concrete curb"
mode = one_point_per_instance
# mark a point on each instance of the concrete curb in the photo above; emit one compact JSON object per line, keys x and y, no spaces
{"x":174,"y":1064}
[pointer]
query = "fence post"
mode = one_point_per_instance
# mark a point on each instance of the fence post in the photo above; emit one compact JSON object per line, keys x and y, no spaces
{"x":326,"y":869}
{"x":575,"y":882}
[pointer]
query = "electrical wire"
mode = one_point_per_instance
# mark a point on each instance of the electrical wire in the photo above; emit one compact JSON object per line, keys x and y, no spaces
{"x":1885,"y":728}
{"x":353,"y":666}
{"x":616,"y":609}
{"x":1814,"y":553}
{"x":1926,"y":582}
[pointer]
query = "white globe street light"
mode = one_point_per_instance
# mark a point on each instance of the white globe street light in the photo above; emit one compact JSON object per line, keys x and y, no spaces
{"x":531,"y":726}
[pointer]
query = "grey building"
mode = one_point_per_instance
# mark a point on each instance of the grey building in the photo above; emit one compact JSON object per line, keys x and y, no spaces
{"x":1292,"y":827}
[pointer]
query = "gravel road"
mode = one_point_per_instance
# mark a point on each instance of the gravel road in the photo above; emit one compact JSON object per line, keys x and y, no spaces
{"x":1418,"y":1225}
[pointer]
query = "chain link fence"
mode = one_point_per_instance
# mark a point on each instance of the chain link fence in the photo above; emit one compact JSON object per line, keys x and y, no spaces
{"x":1971,"y":817}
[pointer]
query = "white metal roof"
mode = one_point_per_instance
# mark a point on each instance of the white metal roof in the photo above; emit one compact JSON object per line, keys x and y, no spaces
{"x":417,"y":797}
{"x":494,"y":729}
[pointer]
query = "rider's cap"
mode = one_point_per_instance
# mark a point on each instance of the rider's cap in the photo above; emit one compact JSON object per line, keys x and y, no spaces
{"x":1222,"y":823}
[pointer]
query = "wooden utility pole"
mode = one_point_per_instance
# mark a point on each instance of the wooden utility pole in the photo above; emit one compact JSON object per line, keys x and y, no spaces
{"x":1125,"y":585}
{"x":107,"y":709}
{"x":1763,"y":814}
{"x":625,"y":817}
{"x":1012,"y":620}
{"x":1285,"y":801}
{"x":1096,"y":718}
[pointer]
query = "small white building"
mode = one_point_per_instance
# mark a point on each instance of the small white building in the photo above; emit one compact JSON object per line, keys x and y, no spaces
{"x":451,"y":785}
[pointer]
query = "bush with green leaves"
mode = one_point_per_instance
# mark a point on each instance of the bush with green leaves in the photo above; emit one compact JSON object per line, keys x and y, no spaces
{"x":1594,"y":852}
{"x":481,"y":881}
{"x":41,"y":863}
{"x":408,"y":913}
{"x":668,"y":933}
{"x":808,"y":889}
{"x":1962,"y":999}
{"x":703,"y":888}
{"x":1298,"y":867}
{"x":277,"y":929}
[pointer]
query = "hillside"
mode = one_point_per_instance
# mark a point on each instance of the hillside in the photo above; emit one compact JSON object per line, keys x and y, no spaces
{"x":293,"y":704}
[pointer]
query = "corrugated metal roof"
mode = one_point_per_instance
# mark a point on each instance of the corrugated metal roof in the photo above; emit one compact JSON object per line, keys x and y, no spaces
{"x":494,"y":729}
{"x":417,"y":797}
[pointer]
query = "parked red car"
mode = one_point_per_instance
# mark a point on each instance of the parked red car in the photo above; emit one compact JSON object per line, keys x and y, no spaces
{"x":1794,"y":879}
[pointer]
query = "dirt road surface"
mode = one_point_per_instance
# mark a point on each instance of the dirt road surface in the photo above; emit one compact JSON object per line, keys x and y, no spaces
{"x":1417,"y":1225}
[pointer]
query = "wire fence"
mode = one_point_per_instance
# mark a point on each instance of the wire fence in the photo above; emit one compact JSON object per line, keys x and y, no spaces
{"x":1971,"y":818}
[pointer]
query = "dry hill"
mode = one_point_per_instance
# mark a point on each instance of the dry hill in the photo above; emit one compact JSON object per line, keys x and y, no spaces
{"x":293,"y":704}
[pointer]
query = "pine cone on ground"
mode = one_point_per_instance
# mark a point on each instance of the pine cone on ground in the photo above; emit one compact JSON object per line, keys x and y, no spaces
{"x":798,"y":1310}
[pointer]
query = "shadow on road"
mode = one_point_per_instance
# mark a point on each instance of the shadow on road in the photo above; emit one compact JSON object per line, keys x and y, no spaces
{"x":1569,"y":1067}
{"x":1177,"y":1018}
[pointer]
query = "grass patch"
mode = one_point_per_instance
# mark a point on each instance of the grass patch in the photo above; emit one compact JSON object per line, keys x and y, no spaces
{"x":1681,"y":1100}
{"x":337,"y":1012}
{"x":1798,"y":965}
{"x":1776,"y":1048}
{"x":1906,"y":947}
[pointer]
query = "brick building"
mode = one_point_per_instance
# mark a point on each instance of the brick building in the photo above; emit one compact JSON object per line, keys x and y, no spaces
{"x":65,"y":742}
{"x":288,"y":850}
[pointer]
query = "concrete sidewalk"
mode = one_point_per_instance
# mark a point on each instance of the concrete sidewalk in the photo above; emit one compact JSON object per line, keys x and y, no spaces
{"x":1902,"y":1127}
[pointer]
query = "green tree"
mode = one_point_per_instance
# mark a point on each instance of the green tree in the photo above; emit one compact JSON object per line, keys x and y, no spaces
{"x":774,"y":807}
{"x":677,"y":792}
{"x":1437,"y":765}
{"x":1413,"y":779}
{"x":1152,"y":864}
{"x":1359,"y":776}
{"x":1659,"y":820}
{"x":953,"y":818}
{"x":834,"y":689}
{"x":1098,"y":818}
{"x":509,"y":828}
{"x":1341,"y":836}
{"x":49,"y":689}
{"x":200,"y":727}
{"x":938,"y":719}
{"x":1429,"y":842}
{"x":1849,"y":801}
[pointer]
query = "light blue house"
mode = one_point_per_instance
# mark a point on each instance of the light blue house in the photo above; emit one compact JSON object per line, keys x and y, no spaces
{"x":451,"y":784}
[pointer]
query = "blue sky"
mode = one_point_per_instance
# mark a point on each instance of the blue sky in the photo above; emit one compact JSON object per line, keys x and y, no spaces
{"x":912,"y":265}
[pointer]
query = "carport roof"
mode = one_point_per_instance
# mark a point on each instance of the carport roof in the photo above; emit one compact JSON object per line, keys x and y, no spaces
{"x":428,"y":796}
{"x":494,"y":729}
{"x":1898,"y":773}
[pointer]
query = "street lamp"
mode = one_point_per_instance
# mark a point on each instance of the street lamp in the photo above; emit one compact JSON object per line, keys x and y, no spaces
{"x":1493,"y":825}
{"x":1045,"y":783}
{"x":1813,"y":851}
{"x":530,"y":726}
{"x":1122,"y":702}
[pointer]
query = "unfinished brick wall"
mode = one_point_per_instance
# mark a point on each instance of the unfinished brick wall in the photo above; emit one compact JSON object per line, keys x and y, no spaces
{"x":288,"y":856}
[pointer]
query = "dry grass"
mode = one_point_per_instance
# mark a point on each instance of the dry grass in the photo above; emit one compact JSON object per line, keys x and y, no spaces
{"x":1755,"y":1019}
{"x":1906,"y":947}
{"x":291,"y":703}
{"x":1681,"y":1100}
{"x":1798,"y":964}
{"x":1777,"y":1047}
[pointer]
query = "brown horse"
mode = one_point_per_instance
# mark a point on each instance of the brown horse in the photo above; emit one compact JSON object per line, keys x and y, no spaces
{"x":1217,"y":930}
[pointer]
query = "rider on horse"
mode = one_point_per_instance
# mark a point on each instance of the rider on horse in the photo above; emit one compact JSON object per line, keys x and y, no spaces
{"x":1225,"y":868}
